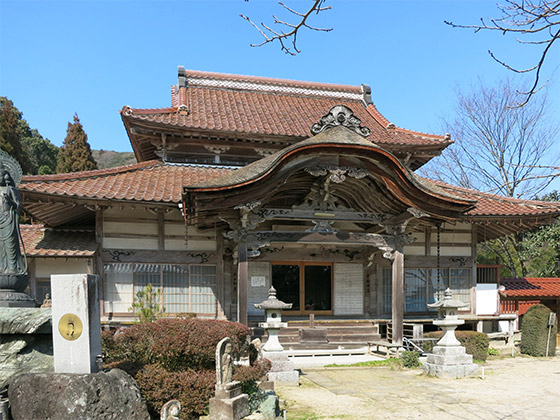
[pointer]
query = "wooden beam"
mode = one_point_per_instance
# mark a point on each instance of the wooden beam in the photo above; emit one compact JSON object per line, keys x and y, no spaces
{"x":242,"y":282}
{"x":398,"y":296}
{"x":161,"y":229}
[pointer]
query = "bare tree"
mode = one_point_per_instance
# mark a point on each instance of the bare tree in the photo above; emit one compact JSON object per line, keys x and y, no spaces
{"x":288,"y":40}
{"x":500,"y":148}
{"x":532,"y":22}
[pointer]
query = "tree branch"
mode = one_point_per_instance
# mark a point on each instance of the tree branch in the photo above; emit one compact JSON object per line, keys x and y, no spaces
{"x":525,"y":17}
{"x":287,"y":38}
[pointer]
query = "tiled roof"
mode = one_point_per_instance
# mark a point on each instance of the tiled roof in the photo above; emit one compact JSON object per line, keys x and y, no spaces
{"x":152,"y":181}
{"x":155,"y":181}
{"x":275,"y":107}
{"x":43,"y":242}
{"x":531,"y":287}
{"x":497,"y":205}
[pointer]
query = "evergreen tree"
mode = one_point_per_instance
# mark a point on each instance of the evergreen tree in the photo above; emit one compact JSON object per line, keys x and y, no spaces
{"x":75,"y":154}
{"x":36,"y":154}
{"x":10,"y":133}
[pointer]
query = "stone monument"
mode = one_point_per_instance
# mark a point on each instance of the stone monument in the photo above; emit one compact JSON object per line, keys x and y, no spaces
{"x":228,"y":403}
{"x":171,"y":410}
{"x":282,"y":369}
{"x":13,"y":264}
{"x":76,"y":323}
{"x":448,"y":357}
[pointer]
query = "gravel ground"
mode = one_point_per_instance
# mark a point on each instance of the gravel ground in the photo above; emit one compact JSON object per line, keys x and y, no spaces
{"x":513,"y":388}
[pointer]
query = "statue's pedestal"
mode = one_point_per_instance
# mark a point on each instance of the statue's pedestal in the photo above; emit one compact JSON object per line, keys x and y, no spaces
{"x":282,"y":369}
{"x":450,"y":360}
{"x":229,"y":403}
{"x":11,"y":292}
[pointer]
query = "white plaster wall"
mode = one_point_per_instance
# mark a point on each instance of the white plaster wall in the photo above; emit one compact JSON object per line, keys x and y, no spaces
{"x":44,"y":267}
{"x":486,"y":299}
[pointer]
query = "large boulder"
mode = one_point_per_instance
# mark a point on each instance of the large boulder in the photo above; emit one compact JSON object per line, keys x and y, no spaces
{"x":25,"y":342}
{"x":111,"y":395}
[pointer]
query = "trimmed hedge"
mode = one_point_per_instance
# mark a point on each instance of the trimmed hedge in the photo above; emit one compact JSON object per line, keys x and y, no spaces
{"x":192,"y":388}
{"x":476,"y":343}
{"x":175,"y":344}
{"x":534,"y":332}
{"x":175,"y":359}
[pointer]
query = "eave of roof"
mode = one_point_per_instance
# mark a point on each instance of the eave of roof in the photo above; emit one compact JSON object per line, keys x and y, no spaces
{"x":530,"y":287}
{"x":40,"y":241}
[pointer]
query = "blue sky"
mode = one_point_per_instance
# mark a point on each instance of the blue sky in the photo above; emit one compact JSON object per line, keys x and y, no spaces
{"x":89,"y":57}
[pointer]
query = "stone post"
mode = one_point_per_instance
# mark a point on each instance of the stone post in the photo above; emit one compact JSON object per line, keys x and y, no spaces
{"x":76,"y":323}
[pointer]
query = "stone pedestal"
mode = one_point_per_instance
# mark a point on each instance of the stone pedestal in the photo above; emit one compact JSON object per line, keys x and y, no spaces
{"x":25,"y":342}
{"x":282,"y":369}
{"x":451,"y":361}
{"x":229,"y":403}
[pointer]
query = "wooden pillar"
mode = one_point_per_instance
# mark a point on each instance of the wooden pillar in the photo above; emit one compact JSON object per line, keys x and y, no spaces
{"x":220,"y":283}
{"x":398,"y":296}
{"x":98,"y":260}
{"x":242,"y":282}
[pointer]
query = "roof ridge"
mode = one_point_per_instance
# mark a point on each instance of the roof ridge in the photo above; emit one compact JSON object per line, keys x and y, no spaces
{"x":198,"y":74}
{"x":93,"y":173}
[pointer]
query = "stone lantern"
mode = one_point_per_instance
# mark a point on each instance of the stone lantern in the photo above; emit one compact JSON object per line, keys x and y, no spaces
{"x":282,"y":369}
{"x":273,"y":311}
{"x":449,"y":357}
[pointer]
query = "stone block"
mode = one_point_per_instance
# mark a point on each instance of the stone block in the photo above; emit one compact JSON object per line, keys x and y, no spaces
{"x":25,"y":342}
{"x":449,"y":351}
{"x":289,"y":377}
{"x":111,"y":395}
{"x":454,"y":371}
{"x":461,"y":359}
{"x":279,"y":361}
{"x":229,"y":409}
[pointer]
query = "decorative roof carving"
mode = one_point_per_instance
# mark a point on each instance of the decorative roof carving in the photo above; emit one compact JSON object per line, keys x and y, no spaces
{"x":340,"y":115}
{"x":337,"y":174}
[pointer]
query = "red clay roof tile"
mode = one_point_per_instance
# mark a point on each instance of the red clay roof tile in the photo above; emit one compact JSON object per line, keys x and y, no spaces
{"x":43,"y":242}
{"x":266,"y":106}
{"x":531,"y":287}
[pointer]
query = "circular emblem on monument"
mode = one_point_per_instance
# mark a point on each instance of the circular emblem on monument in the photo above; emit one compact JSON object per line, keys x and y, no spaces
{"x":70,"y":327}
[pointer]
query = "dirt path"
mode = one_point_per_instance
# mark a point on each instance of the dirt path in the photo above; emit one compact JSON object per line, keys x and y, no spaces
{"x":517,"y":389}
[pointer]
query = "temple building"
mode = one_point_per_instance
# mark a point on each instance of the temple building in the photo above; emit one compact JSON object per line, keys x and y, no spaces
{"x":247,"y":182}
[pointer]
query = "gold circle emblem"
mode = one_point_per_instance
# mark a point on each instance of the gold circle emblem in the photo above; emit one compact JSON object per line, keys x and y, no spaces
{"x":70,"y":327}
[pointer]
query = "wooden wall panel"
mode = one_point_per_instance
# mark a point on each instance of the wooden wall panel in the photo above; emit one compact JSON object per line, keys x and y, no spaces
{"x":256,"y":294}
{"x":348,"y":289}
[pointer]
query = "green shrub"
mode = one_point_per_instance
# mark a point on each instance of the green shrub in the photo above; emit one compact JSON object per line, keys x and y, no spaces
{"x":174,"y":358}
{"x":534,"y":332}
{"x":175,"y":344}
{"x":476,"y":343}
{"x":192,"y":388}
{"x":410,"y":359}
{"x":249,"y":375}
{"x":492,"y":351}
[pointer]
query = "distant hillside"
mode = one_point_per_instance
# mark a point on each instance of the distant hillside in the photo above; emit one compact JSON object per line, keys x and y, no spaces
{"x":109,"y":159}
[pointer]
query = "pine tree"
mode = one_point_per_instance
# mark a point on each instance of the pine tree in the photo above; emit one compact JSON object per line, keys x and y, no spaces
{"x":75,"y":154}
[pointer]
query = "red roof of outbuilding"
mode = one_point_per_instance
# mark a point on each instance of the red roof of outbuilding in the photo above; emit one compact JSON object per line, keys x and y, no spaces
{"x":531,"y":287}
